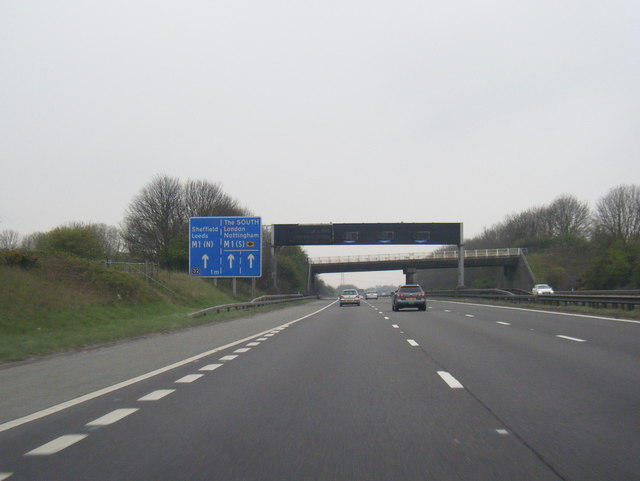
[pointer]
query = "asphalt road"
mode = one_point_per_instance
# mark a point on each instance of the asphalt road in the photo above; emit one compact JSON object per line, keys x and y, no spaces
{"x":460,"y":392}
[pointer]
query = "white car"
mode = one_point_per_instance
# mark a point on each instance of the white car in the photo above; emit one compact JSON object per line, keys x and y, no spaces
{"x":371,"y":295}
{"x":539,"y":289}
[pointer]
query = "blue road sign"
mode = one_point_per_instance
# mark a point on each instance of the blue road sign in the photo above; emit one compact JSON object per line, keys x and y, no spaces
{"x":225,"y":246}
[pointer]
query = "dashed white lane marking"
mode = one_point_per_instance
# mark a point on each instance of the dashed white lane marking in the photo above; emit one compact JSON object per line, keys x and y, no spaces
{"x":262,"y":339}
{"x":386,"y":318}
{"x":469,"y":315}
{"x":109,"y":389}
{"x":253,"y":344}
{"x":189,"y":378}
{"x":230,"y":357}
{"x":450,"y":380}
{"x":269,"y":335}
{"x":395,"y":326}
{"x":412,"y":342}
{"x":502,"y":432}
{"x":242,"y":349}
{"x":57,"y":445}
{"x":112,"y":417}
{"x":156,"y":395}
{"x":503,"y":323}
{"x":574,"y":339}
{"x":447,"y":310}
{"x":210,"y":367}
{"x":4,"y":476}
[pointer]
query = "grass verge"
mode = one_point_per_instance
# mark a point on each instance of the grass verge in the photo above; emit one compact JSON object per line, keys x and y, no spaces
{"x":68,"y":303}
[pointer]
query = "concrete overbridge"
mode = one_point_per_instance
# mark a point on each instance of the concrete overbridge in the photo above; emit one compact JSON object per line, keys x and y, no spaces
{"x":512,"y":260}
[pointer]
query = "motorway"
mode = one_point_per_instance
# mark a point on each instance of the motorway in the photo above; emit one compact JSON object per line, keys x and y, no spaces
{"x":320,"y":392}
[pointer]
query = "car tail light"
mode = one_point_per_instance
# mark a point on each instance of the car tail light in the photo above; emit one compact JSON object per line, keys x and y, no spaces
{"x":421,"y":294}
{"x":341,"y":297}
{"x":400,"y":294}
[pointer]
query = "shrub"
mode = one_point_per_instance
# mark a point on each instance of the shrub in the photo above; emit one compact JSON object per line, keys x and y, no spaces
{"x":19,"y":258}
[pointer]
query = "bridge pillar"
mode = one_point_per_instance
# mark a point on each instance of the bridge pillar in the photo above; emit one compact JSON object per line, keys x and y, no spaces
{"x":461,"y":265}
{"x":410,"y":275}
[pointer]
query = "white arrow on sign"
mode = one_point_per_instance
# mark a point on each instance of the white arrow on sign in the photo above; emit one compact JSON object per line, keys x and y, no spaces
{"x":205,"y":258}
{"x":251,"y":257}
{"x":230,"y":257}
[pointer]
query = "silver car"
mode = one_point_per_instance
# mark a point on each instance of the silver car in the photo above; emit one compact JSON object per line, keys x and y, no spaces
{"x":349,"y":297}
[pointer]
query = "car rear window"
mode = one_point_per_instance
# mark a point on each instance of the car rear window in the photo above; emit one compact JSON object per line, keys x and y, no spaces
{"x":411,"y":289}
{"x":349,"y":292}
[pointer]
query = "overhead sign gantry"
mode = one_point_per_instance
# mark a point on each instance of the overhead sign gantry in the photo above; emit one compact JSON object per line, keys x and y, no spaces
{"x":426,"y":233}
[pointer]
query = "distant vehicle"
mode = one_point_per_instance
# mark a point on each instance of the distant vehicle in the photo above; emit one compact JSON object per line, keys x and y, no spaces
{"x":410,"y":295}
{"x":541,"y":289}
{"x":349,"y":296}
{"x":371,"y":295}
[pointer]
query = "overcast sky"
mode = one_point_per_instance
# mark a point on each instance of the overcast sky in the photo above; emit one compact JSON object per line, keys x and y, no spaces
{"x":317,"y":111}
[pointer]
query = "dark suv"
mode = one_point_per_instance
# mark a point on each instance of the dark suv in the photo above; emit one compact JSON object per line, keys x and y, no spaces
{"x":410,"y":295}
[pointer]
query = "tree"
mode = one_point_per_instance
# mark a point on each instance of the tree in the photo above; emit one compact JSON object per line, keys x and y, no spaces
{"x":567,"y":216}
{"x":618,"y":214}
{"x":207,"y":199}
{"x":9,"y":240}
{"x":154,"y":218}
{"x":156,"y":223}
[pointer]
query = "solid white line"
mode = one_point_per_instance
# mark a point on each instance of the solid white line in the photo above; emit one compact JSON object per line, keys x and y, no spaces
{"x":4,"y":476}
{"x":112,"y":417}
{"x":230,"y":357}
{"x":395,"y":326}
{"x":87,"y":397}
{"x":253,"y":344}
{"x":412,"y":342}
{"x":575,"y":339}
{"x":57,"y":445}
{"x":503,"y":323}
{"x":210,"y":367}
{"x":544,"y":312}
{"x":156,"y":395}
{"x":450,"y":380}
{"x":242,"y":350}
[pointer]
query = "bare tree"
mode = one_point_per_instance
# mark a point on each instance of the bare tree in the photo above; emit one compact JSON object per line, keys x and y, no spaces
{"x":154,"y":218}
{"x":206,"y":199}
{"x":110,"y":238}
{"x":9,"y":240}
{"x":568,"y":216}
{"x":156,"y":223}
{"x":34,"y":241}
{"x":618,"y":213}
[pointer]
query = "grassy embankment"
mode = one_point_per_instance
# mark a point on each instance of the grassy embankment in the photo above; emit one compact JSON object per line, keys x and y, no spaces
{"x":61,"y":304}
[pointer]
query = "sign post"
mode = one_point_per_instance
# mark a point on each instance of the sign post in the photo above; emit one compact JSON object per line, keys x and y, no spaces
{"x":225,"y":247}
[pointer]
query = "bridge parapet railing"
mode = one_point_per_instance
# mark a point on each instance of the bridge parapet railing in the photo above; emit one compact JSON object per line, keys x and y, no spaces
{"x":447,"y":254}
